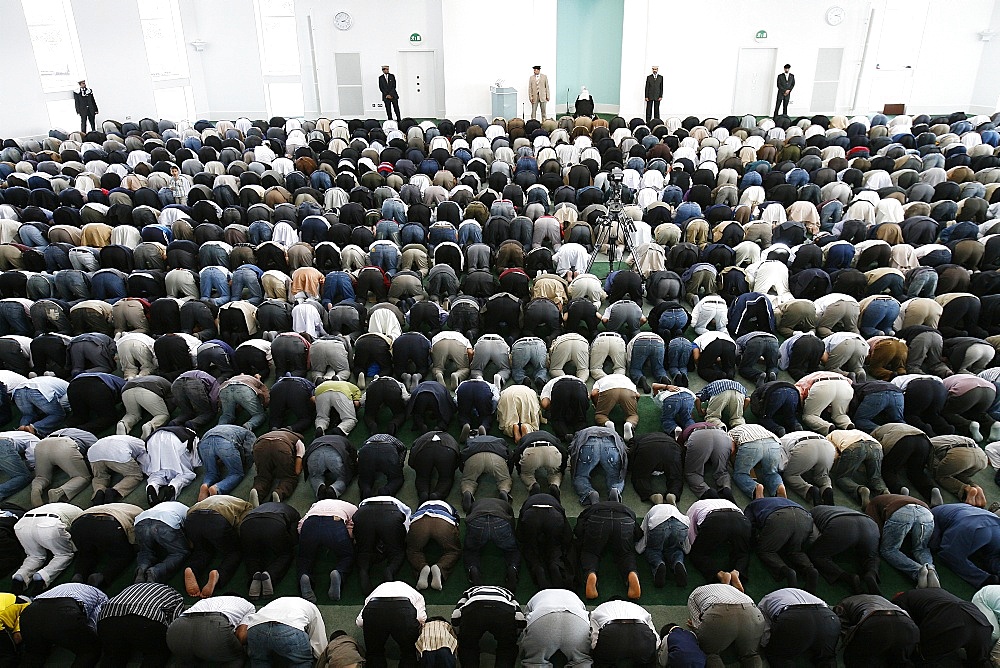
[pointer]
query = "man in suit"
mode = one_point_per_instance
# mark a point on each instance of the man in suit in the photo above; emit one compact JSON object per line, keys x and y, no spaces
{"x":86,"y":106}
{"x":786,"y":82}
{"x":387,"y":84}
{"x":538,"y":91}
{"x":654,"y":93}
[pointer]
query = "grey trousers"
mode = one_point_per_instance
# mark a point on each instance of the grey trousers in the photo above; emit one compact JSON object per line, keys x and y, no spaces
{"x":840,"y":317}
{"x":707,"y":451}
{"x":976,"y":359}
{"x":545,"y":457}
{"x":570,"y":349}
{"x":814,"y":458}
{"x":139,"y":399}
{"x":135,"y":359}
{"x":328,"y":361}
{"x":847,"y":356}
{"x":205,"y":637}
{"x":924,"y":354}
{"x":606,"y":347}
{"x":59,"y":452}
{"x":491,"y":348}
{"x":833,"y":394}
{"x":955,"y":470}
{"x":340,"y":404}
{"x":556,"y":632}
{"x":725,"y":408}
{"x":130,"y":472}
{"x":739,"y":626}
{"x":485,"y":463}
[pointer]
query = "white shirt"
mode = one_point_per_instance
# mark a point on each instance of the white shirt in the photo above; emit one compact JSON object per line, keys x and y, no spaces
{"x":703,"y":340}
{"x":547,"y":388}
{"x":297,"y":613}
{"x":699,"y":510}
{"x":396,"y":590}
{"x":451,"y":336}
{"x":555,"y":600}
{"x":49,"y":386}
{"x":837,"y":338}
{"x":306,"y":320}
{"x":235,"y":609}
{"x":614,"y":381}
{"x":614,"y":611}
{"x":902,"y":381}
{"x":12,"y":380}
{"x":828,"y":300}
{"x":656,"y":516}
{"x":118,"y":449}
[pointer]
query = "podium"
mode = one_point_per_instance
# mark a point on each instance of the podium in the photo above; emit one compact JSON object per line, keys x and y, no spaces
{"x":504,"y":102}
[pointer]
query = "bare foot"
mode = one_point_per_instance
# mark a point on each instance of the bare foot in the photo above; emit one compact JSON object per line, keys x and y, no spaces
{"x":981,"y":497}
{"x":781,"y":492}
{"x":724,"y":577}
{"x":758,"y":491}
{"x":735,"y":581}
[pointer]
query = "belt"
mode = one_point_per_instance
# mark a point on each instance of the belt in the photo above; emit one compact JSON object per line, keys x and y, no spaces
{"x":803,"y":440}
{"x":608,"y":334}
{"x":42,"y":515}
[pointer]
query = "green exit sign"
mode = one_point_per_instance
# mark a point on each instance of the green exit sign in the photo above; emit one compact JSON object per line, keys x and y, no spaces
{"x":761,"y":34}
{"x":415,"y":37}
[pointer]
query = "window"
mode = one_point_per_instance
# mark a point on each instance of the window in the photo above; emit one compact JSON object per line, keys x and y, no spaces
{"x":175,"y":103}
{"x":284,"y":99}
{"x":161,"y":30}
{"x":54,"y":41}
{"x":279,"y":43}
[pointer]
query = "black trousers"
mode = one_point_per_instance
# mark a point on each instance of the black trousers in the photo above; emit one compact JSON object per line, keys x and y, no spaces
{"x":657,"y":457}
{"x":58,"y":622}
{"x":410,"y":354}
{"x":392,"y":105}
{"x":502,"y":316}
{"x":212,"y":535}
{"x":908,"y":457}
{"x":805,"y":356}
{"x":845,"y":534}
{"x":89,"y":116}
{"x":581,"y":318}
{"x":215,"y":362}
{"x":652,"y":109}
{"x":608,"y":529}
{"x":173,"y":357}
{"x":626,"y":285}
{"x":541,"y":533}
{"x":923,"y":406}
{"x":385,"y":618}
{"x":288,"y":401}
{"x":372,"y":351}
{"x":888,"y":640}
{"x":960,"y":317}
{"x":97,"y":537}
{"x":379,"y":534}
{"x":781,"y":101}
{"x":375,"y":459}
{"x":482,"y":617}
{"x":48,"y":353}
{"x":939,"y":647}
{"x":569,"y":407}
{"x":290,"y":356}
{"x":431,"y":460}
{"x":384,"y":393}
{"x":722,"y":544}
{"x":631,"y":641}
{"x":270,"y":317}
{"x":12,"y":359}
{"x":252,"y":361}
{"x":780,"y":541}
{"x":268,"y":545}
{"x":130,"y":635}
{"x":370,"y":282}
{"x":475,"y":405}
{"x":11,"y":552}
{"x":542,"y":320}
{"x":197,"y":320}
{"x":94,"y":405}
{"x":717,"y":360}
{"x":804,"y":630}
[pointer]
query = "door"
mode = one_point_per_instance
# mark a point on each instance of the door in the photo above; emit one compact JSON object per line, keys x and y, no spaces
{"x":755,"y":76}
{"x":417,"y":84}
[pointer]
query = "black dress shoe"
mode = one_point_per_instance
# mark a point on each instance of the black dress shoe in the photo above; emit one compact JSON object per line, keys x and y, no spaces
{"x":166,"y":493}
{"x":151,"y":496}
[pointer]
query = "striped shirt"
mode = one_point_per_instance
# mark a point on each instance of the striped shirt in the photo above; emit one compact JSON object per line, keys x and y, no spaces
{"x":487,"y":594}
{"x":154,"y":601}
{"x":437,"y":634}
{"x":439,"y":509}
{"x":748,"y":433}
{"x":704,"y":597}
{"x":91,"y":598}
{"x":720,"y":386}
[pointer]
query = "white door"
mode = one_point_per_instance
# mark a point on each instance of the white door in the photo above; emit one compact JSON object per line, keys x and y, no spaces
{"x":417,"y":84}
{"x":755,"y":77}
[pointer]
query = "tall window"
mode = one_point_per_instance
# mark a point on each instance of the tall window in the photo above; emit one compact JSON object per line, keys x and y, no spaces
{"x":279,"y":55}
{"x":161,"y":30}
{"x":54,"y":41}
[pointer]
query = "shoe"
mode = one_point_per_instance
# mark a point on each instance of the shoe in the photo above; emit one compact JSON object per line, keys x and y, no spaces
{"x":904,"y":491}
{"x":213,"y":581}
{"x":526,"y":382}
{"x":628,"y":431}
{"x":464,"y":435}
{"x":152,"y":498}
{"x":505,"y":496}
{"x":865,"y":496}
{"x":539,"y":384}
{"x":191,"y":585}
{"x":680,"y":575}
{"x":681,"y":380}
{"x":467,"y":501}
{"x":275,"y":497}
{"x":534,"y":489}
{"x":254,"y":497}
{"x":36,"y":586}
{"x":615,"y":495}
{"x":99,"y":498}
{"x":254,"y":592}
{"x":656,"y":499}
{"x":474,"y":577}
{"x":591,"y":591}
{"x":811,"y":580}
{"x":424,"y":577}
{"x":306,"y":589}
{"x":121,"y":429}
{"x":335,"y":581}
{"x":932,"y":578}
{"x":923,"y":577}
{"x":437,"y":579}
{"x":660,"y":576}
{"x":555,"y":491}
{"x":634,"y":590}
{"x":813,"y":495}
{"x":320,"y":432}
{"x":166,"y":493}
{"x":510,"y":581}
{"x":936,"y":499}
{"x":17,"y":586}
{"x":140,"y":576}
{"x":321,"y":492}
{"x":827,"y":496}
{"x":593,"y":497}
{"x":643,"y":385}
{"x":791,"y":577}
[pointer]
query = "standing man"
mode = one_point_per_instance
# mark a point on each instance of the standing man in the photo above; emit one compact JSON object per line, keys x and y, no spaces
{"x":654,"y":93}
{"x":786,"y":82}
{"x":538,"y":91}
{"x":387,"y":84}
{"x":86,"y":106}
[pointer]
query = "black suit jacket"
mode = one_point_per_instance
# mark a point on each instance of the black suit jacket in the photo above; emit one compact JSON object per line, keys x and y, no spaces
{"x":388,"y":87}
{"x":654,"y":87}
{"x":786,"y":83}
{"x":85,"y":104}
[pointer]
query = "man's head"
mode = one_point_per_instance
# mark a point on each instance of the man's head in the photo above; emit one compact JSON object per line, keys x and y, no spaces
{"x":174,"y":171}
{"x":655,"y":69}
{"x":537,"y":68}
{"x":385,"y":69}
{"x":83,"y":83}
{"x":787,"y":67}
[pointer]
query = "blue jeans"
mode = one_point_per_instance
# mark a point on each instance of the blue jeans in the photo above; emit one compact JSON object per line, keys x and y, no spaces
{"x":480,"y":531}
{"x":528,"y":353}
{"x":234,"y":396}
{"x":643,"y":350}
{"x":878,"y":318}
{"x":395,"y":210}
{"x":993,"y":411}
{"x":923,"y":284}
{"x":259,"y":232}
{"x":672,"y":322}
{"x":107,"y":286}
{"x":46,"y":416}
{"x":862,"y":457}
{"x":326,"y":463}
{"x":72,"y":285}
{"x":31,"y":236}
{"x":413,"y":233}
{"x":162,"y":549}
{"x":386,"y":257}
{"x":15,"y":467}
{"x":281,"y":641}
{"x":245,"y":278}
{"x":469,"y":233}
{"x":663,"y":543}
{"x":602,"y":451}
{"x":917,"y":522}
{"x":765,"y":455}
{"x":438,"y":235}
{"x":13,"y":320}
{"x":320,"y":180}
{"x":676,"y":412}
{"x":387,"y":229}
{"x":878,"y":403}
{"x":213,"y":280}
{"x":678,"y":356}
{"x":211,"y":448}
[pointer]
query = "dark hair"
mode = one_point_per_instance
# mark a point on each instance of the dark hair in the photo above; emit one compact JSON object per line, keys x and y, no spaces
{"x":787,"y":66}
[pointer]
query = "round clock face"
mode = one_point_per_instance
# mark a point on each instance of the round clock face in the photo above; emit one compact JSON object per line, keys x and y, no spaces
{"x":835,"y":15}
{"x":343,"y":20}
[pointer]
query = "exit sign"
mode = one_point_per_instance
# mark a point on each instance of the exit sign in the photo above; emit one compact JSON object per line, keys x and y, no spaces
{"x":415,"y":37}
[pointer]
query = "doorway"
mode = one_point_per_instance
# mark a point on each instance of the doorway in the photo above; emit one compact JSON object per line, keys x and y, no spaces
{"x":755,"y":75}
{"x":417,"y":84}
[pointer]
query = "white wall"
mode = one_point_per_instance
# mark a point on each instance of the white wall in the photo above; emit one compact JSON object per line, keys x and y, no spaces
{"x":476,"y":55}
{"x":986,"y":93}
{"x":23,"y":110}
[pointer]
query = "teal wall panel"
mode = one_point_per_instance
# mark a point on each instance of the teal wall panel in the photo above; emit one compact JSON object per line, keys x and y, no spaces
{"x":589,"y":50}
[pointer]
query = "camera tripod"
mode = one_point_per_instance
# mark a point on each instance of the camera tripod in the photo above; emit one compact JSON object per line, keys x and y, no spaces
{"x":606,"y":232}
